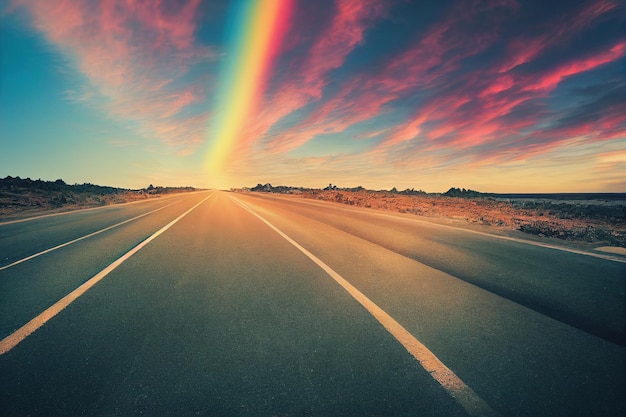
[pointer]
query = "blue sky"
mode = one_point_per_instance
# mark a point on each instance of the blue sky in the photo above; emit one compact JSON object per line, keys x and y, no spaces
{"x":496,"y":95}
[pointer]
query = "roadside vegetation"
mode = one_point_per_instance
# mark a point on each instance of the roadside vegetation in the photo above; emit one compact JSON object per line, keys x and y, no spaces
{"x":598,"y":218}
{"x":24,"y":197}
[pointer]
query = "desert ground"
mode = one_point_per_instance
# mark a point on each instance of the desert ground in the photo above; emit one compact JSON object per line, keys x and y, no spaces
{"x":574,"y":218}
{"x":20,"y":198}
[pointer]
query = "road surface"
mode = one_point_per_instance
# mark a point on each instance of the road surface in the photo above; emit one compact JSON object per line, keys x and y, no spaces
{"x":223,"y":304}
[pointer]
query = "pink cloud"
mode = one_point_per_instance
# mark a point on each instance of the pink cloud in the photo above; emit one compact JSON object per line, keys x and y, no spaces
{"x":475,"y":112}
{"x":524,"y":50}
{"x":502,"y":94}
{"x":417,"y":65}
{"x":310,"y":75}
{"x":552,"y":79}
{"x":365,"y":96}
{"x":346,"y":31}
{"x":171,"y":29}
{"x":124,"y":49}
{"x":406,"y":132}
{"x":482,"y":121}
{"x":332,"y":116}
{"x":485,"y":129}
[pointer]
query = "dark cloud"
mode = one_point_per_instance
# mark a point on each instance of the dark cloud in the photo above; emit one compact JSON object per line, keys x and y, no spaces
{"x":610,"y":107}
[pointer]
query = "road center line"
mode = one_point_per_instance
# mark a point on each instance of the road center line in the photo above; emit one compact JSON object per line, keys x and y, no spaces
{"x":462,"y":393}
{"x":83,"y":237}
{"x":26,"y":330}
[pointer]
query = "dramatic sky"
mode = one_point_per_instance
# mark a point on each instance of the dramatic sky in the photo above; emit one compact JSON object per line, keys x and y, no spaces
{"x":492,"y":95}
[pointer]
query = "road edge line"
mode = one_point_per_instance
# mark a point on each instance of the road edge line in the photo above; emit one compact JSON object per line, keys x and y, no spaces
{"x":97,"y":232}
{"x":62,"y":213}
{"x":613,"y":258}
{"x":26,"y":330}
{"x":461,"y":392}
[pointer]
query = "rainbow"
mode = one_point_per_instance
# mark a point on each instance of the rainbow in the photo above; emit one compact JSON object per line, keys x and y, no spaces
{"x":257,"y":29}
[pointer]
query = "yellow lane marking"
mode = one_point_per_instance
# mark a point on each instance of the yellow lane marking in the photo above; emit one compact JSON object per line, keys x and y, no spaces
{"x":460,"y":391}
{"x":23,"y":332}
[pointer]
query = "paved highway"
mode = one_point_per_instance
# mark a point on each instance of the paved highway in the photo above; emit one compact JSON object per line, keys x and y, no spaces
{"x":238,"y":304}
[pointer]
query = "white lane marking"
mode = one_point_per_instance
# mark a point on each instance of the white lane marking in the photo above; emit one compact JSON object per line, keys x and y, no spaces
{"x":42,"y":216}
{"x":26,"y":330}
{"x":462,"y":393}
{"x":83,"y":237}
{"x":533,"y":243}
{"x":476,"y":232}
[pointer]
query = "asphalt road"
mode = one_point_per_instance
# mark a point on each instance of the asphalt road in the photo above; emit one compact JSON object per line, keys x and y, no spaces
{"x":217,"y":307}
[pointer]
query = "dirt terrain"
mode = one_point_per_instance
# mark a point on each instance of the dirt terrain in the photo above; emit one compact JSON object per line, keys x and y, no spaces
{"x":594,"y":219}
{"x":20,"y":198}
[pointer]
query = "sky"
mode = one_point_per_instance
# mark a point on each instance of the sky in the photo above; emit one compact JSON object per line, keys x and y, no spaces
{"x":492,"y":95}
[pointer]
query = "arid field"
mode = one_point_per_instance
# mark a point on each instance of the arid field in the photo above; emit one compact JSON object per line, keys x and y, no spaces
{"x":25,"y":197}
{"x":579,"y":219}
